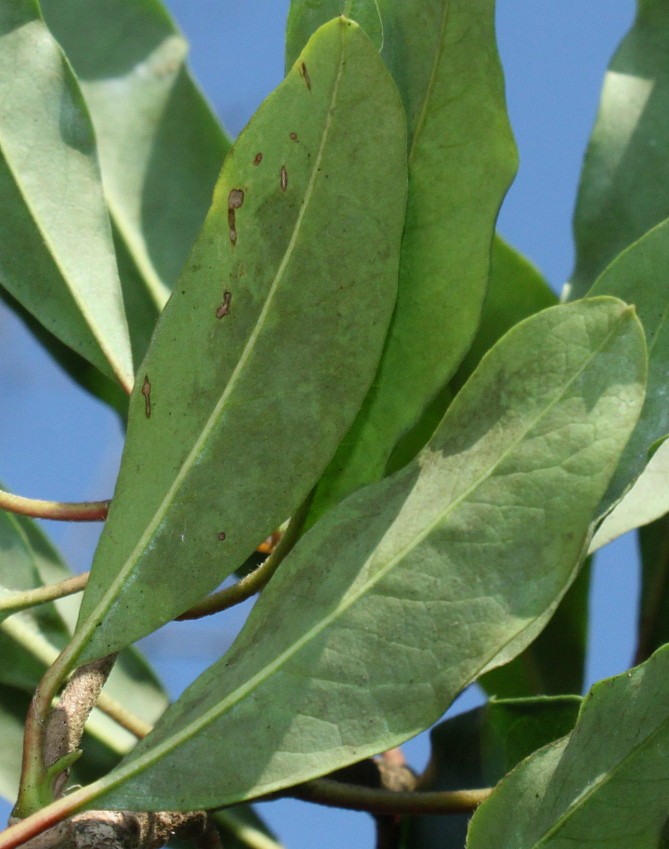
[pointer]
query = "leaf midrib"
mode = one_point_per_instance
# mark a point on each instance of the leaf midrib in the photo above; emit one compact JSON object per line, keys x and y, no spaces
{"x":180,"y":737}
{"x":431,"y":85}
{"x":109,"y":596}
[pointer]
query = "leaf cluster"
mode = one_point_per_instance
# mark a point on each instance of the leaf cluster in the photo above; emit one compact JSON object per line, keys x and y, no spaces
{"x":321,"y":348}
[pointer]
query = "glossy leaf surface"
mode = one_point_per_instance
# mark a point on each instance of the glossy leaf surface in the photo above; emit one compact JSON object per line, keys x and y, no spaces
{"x":639,"y":276}
{"x":56,"y":251}
{"x":476,"y":749}
{"x":305,"y":16}
{"x":624,"y":188}
{"x":516,"y":290}
{"x":461,"y":160}
{"x":160,"y":147}
{"x":603,"y":786}
{"x":415,"y":585}
{"x":257,"y":366}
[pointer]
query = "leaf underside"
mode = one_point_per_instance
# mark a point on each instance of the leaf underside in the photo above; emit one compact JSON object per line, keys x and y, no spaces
{"x":414,"y":586}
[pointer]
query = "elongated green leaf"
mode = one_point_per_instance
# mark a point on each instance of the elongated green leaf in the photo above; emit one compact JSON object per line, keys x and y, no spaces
{"x":161,"y":148}
{"x":461,"y":160}
{"x":257,"y":366}
{"x":516,"y":290}
{"x":603,"y":786}
{"x":476,"y":749}
{"x":417,"y":584}
{"x":624,"y":189}
{"x":639,"y":276}
{"x":653,"y":629}
{"x":646,"y":501}
{"x":56,"y":251}
{"x":305,"y":16}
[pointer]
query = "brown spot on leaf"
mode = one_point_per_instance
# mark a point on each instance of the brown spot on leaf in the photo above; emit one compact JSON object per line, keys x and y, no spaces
{"x":284,"y":178}
{"x":235,"y":200}
{"x":305,"y":75}
{"x":146,"y":392}
{"x":224,"y":308}
{"x":221,"y":536}
{"x":258,"y":159}
{"x":292,"y":136}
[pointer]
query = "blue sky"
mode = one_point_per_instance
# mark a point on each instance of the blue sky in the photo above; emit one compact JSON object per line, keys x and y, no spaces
{"x":55,"y":442}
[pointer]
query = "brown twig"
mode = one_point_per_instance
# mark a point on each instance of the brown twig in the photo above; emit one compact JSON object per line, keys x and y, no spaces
{"x":324,"y":791}
{"x":65,"y":724}
{"x":67,"y":511}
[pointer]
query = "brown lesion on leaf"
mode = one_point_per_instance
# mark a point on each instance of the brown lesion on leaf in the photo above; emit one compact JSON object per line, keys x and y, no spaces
{"x":146,"y":392}
{"x":305,"y":75}
{"x":221,"y":536}
{"x":293,"y":137}
{"x":235,"y":201}
{"x":284,"y":178}
{"x":258,"y":159}
{"x":224,"y":308}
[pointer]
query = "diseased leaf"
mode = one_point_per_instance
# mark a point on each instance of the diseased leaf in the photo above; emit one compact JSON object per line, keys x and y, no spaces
{"x":516,"y":290}
{"x":462,"y":158}
{"x":305,"y":16}
{"x":160,"y":146}
{"x":257,"y":367}
{"x":476,"y":749}
{"x":56,"y":251}
{"x":653,"y":628}
{"x":416,"y":585}
{"x":603,"y":785}
{"x":646,"y":501}
{"x":639,"y":276}
{"x":624,"y":188}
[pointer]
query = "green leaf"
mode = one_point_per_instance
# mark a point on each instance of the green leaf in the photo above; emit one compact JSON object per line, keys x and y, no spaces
{"x":160,"y":146}
{"x":476,"y":749}
{"x":305,"y":16}
{"x":639,"y":276}
{"x":516,"y":290}
{"x":56,"y":252}
{"x":554,"y":664}
{"x":646,"y":501}
{"x":654,"y":603}
{"x":461,"y":160}
{"x":624,"y":189}
{"x":257,"y":367}
{"x":603,"y":785}
{"x":416,"y":585}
